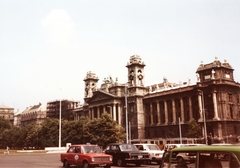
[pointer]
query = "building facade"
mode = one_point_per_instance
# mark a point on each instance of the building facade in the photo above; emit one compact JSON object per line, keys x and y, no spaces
{"x":65,"y":107}
{"x":158,"y":110}
{"x":7,"y":113}
{"x":32,"y":115}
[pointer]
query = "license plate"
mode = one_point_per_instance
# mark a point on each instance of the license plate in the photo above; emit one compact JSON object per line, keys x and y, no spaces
{"x":140,"y":156}
{"x":102,"y":165}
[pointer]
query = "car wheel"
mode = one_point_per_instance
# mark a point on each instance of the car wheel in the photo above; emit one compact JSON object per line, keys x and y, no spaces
{"x":180,"y":159}
{"x":85,"y":165}
{"x":120,"y":162}
{"x":66,"y":164}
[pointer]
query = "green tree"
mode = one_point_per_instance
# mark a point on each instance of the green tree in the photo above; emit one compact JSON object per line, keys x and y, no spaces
{"x":194,"y":129}
{"x":32,"y":138}
{"x":74,"y":131}
{"x":15,"y":140}
{"x":4,"y":138}
{"x":4,"y":132}
{"x":104,"y":130}
{"x":49,"y":133}
{"x":99,"y":131}
{"x":4,"y":124}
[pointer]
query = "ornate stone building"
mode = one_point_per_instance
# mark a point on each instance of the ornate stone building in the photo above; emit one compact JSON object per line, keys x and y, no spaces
{"x":7,"y":113}
{"x":32,"y":115}
{"x":155,"y":111}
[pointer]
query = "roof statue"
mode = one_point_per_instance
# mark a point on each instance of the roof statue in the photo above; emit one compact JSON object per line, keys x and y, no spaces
{"x":108,"y":80}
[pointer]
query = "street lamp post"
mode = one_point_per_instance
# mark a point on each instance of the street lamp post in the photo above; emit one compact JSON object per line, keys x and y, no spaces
{"x":60,"y":123}
{"x":126,"y":113}
{"x":129,"y":131}
{"x":180,"y":130}
{"x":204,"y":118}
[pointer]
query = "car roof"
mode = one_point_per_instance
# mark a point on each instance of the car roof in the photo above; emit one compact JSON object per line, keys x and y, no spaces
{"x":118,"y":144}
{"x":84,"y":145}
{"x":209,"y":148}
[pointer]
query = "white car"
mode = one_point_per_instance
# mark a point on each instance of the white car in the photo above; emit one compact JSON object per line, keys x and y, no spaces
{"x":172,"y":146}
{"x":181,"y":157}
{"x":154,"y":151}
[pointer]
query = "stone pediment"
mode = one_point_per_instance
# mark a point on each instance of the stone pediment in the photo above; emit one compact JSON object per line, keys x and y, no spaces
{"x":100,"y":96}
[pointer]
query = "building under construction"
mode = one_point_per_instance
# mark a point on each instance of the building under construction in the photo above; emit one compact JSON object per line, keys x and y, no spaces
{"x":65,"y":107}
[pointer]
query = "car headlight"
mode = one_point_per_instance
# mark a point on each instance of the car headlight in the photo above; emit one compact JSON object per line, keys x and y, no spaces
{"x":93,"y":159}
{"x":111,"y":159}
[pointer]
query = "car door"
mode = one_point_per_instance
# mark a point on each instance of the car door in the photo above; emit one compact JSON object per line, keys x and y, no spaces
{"x":116,"y":153}
{"x":111,"y":151}
{"x":78,"y":156}
{"x":71,"y":154}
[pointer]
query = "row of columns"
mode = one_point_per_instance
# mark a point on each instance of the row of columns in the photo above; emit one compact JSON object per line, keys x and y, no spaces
{"x":200,"y":104}
{"x":173,"y":111}
{"x":115,"y":111}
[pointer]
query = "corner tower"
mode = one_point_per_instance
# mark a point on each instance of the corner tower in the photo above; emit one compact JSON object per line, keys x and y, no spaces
{"x":91,"y":81}
{"x":215,"y":71}
{"x":135,"y":71}
{"x":136,"y":91}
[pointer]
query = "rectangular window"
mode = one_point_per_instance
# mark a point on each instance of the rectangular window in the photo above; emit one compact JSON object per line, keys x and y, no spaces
{"x":207,"y":77}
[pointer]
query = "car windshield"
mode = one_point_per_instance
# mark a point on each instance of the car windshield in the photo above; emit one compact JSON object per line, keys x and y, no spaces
{"x":128,"y":147}
{"x":91,"y":149}
{"x":153,"y":147}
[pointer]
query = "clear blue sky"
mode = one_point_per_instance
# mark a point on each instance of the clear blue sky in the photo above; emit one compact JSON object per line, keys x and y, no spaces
{"x":47,"y":47}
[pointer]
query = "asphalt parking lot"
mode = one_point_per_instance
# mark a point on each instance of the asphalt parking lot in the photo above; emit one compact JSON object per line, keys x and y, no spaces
{"x":43,"y":160}
{"x":31,"y":160}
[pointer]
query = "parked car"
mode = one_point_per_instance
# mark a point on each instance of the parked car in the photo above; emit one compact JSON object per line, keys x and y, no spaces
{"x":172,"y":146}
{"x":154,"y":151}
{"x":181,"y":157}
{"x":203,"y":156}
{"x":86,"y":155}
{"x":126,"y":153}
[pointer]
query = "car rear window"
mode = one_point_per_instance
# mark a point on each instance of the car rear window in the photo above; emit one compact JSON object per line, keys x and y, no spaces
{"x":128,"y":147}
{"x":153,"y":147}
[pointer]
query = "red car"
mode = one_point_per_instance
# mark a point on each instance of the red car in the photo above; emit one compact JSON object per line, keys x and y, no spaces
{"x":86,"y":155}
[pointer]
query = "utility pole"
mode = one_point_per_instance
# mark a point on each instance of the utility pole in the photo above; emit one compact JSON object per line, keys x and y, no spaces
{"x":60,"y":123}
{"x":126,"y":113}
